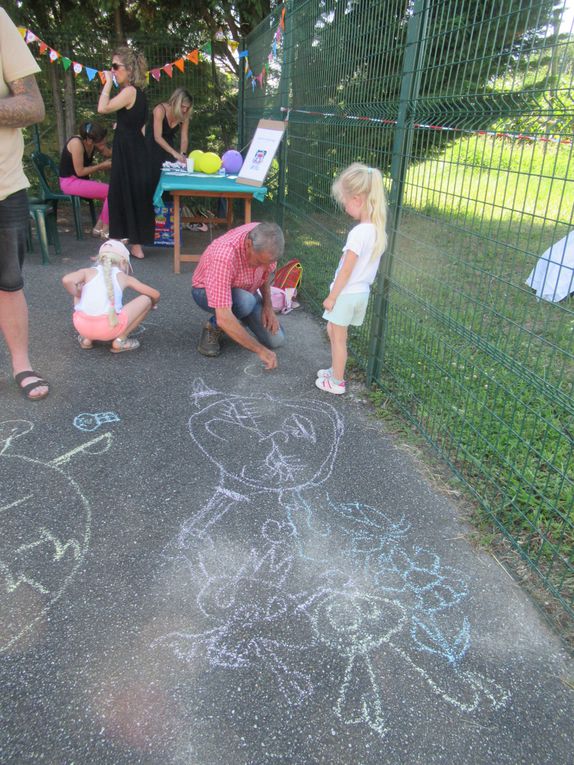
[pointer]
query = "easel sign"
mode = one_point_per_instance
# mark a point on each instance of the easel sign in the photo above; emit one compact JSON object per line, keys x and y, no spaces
{"x":263,"y":148}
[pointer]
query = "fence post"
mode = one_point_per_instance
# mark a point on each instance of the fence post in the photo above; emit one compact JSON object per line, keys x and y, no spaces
{"x":241,"y":110}
{"x":402,"y":142}
{"x":284,"y":104}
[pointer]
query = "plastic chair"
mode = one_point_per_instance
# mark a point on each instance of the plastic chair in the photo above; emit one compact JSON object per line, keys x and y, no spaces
{"x":44,"y":216}
{"x":48,"y":177}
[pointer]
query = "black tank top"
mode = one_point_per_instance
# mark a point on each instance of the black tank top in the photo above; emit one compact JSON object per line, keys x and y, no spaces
{"x":67,"y":162}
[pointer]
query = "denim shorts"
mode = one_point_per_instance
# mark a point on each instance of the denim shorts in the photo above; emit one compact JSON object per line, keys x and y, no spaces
{"x":349,"y":309}
{"x":14,"y":214}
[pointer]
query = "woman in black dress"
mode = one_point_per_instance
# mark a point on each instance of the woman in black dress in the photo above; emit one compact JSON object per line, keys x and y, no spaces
{"x":167,"y":118}
{"x":131,"y":192}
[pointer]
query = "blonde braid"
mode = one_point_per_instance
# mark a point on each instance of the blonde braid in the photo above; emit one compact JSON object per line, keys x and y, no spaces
{"x":107,"y":262}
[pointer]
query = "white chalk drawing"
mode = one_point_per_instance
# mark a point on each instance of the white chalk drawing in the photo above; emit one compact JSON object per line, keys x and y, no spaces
{"x":277,"y":571}
{"x":88,"y":421}
{"x":253,"y":370}
{"x":45,"y":524}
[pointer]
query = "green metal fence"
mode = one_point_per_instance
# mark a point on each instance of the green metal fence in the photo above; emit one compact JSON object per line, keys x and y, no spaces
{"x":468,"y":109}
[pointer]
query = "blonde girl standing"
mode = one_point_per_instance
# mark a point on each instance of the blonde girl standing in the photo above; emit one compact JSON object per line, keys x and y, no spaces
{"x":97,"y":291}
{"x":360,"y":192}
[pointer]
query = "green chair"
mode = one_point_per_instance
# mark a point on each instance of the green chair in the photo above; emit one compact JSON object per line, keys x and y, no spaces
{"x":48,"y":176}
{"x":44,"y":217}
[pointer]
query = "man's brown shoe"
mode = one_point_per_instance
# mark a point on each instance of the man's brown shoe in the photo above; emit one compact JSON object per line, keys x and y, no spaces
{"x":209,"y":340}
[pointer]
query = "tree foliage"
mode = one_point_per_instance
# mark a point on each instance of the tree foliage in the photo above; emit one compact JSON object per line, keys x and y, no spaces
{"x":164,"y":30}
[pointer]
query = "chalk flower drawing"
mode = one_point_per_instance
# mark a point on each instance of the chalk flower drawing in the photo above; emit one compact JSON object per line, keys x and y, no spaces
{"x":45,"y":523}
{"x":315,"y":573}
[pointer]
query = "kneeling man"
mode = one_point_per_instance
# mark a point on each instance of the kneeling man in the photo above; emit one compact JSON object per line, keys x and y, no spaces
{"x":232,"y":282}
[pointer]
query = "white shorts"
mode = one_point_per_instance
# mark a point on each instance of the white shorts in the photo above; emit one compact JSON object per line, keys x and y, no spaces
{"x":349,"y":309}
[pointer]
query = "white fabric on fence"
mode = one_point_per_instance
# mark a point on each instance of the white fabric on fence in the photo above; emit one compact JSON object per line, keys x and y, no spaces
{"x":553,"y":276}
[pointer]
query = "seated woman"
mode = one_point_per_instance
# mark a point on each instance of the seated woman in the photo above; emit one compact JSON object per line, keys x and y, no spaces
{"x":76,"y":166}
{"x":169,"y":117}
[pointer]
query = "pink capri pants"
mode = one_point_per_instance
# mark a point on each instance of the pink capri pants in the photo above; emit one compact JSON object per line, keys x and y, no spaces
{"x":82,"y":187}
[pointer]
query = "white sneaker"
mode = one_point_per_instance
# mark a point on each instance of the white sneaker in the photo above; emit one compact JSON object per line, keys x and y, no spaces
{"x":326,"y":384}
{"x":325,"y":372}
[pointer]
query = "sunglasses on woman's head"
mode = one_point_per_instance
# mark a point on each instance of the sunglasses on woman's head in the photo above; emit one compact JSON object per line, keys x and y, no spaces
{"x":115,"y":66}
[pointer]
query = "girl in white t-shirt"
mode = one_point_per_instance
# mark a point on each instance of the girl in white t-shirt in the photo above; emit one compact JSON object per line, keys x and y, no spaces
{"x":360,"y":192}
{"x":99,"y":313}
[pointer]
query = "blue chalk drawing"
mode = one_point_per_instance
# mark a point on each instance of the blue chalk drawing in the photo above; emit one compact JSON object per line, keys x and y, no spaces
{"x":87,"y":421}
{"x":318,"y":574}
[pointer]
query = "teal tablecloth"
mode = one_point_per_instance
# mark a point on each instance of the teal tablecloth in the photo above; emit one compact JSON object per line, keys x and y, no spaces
{"x":202,"y":182}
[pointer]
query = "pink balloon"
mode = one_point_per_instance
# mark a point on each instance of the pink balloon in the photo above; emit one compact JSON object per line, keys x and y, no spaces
{"x":232,"y":161}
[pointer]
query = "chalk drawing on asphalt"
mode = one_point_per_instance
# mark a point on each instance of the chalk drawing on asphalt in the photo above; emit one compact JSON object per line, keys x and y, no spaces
{"x":279,"y":571}
{"x":253,"y":370}
{"x":89,"y":421}
{"x":45,"y":523}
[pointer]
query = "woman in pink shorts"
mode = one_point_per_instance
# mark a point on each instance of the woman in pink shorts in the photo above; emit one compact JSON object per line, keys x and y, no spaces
{"x":76,"y":167}
{"x":97,"y":292}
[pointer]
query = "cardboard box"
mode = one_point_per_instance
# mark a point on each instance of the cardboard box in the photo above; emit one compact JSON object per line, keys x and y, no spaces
{"x":163,"y":235}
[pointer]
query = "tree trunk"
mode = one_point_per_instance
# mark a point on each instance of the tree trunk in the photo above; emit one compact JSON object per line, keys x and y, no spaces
{"x":118,"y":25}
{"x":69,"y":106}
{"x":54,"y":79}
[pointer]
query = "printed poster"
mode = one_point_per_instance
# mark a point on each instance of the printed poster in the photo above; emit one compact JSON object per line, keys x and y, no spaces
{"x":263,"y":148}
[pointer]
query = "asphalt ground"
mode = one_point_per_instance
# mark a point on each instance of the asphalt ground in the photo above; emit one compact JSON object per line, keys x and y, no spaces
{"x":203,"y":562}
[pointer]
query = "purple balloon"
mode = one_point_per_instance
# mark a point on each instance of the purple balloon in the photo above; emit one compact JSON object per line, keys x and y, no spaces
{"x":232,"y":161}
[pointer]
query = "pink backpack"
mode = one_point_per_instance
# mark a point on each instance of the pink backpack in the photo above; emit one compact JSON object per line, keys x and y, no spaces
{"x":282,"y":300}
{"x":284,"y":288}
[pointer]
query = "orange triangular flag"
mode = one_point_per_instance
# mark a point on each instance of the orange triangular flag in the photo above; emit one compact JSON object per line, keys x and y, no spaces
{"x":168,"y":69}
{"x":180,"y":63}
{"x":43,"y":48}
{"x":193,"y":56}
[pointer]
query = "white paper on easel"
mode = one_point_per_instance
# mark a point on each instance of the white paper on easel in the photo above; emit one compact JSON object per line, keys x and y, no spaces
{"x":261,"y":152}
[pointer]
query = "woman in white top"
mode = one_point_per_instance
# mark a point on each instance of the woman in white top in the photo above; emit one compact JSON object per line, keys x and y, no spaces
{"x":97,"y":291}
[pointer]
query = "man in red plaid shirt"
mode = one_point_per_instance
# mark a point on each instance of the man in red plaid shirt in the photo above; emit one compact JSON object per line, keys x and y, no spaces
{"x":232,"y":281}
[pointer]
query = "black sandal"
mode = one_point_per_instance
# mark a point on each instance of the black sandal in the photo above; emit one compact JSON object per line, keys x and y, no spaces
{"x":27,"y":389}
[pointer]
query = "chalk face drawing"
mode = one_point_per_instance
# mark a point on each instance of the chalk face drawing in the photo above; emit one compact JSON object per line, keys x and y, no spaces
{"x":276,"y":574}
{"x":45,"y":525}
{"x":280,"y":439}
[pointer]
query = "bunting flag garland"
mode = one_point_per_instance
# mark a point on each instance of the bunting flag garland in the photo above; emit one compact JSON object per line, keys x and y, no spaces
{"x":259,"y":79}
{"x":192,"y":56}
